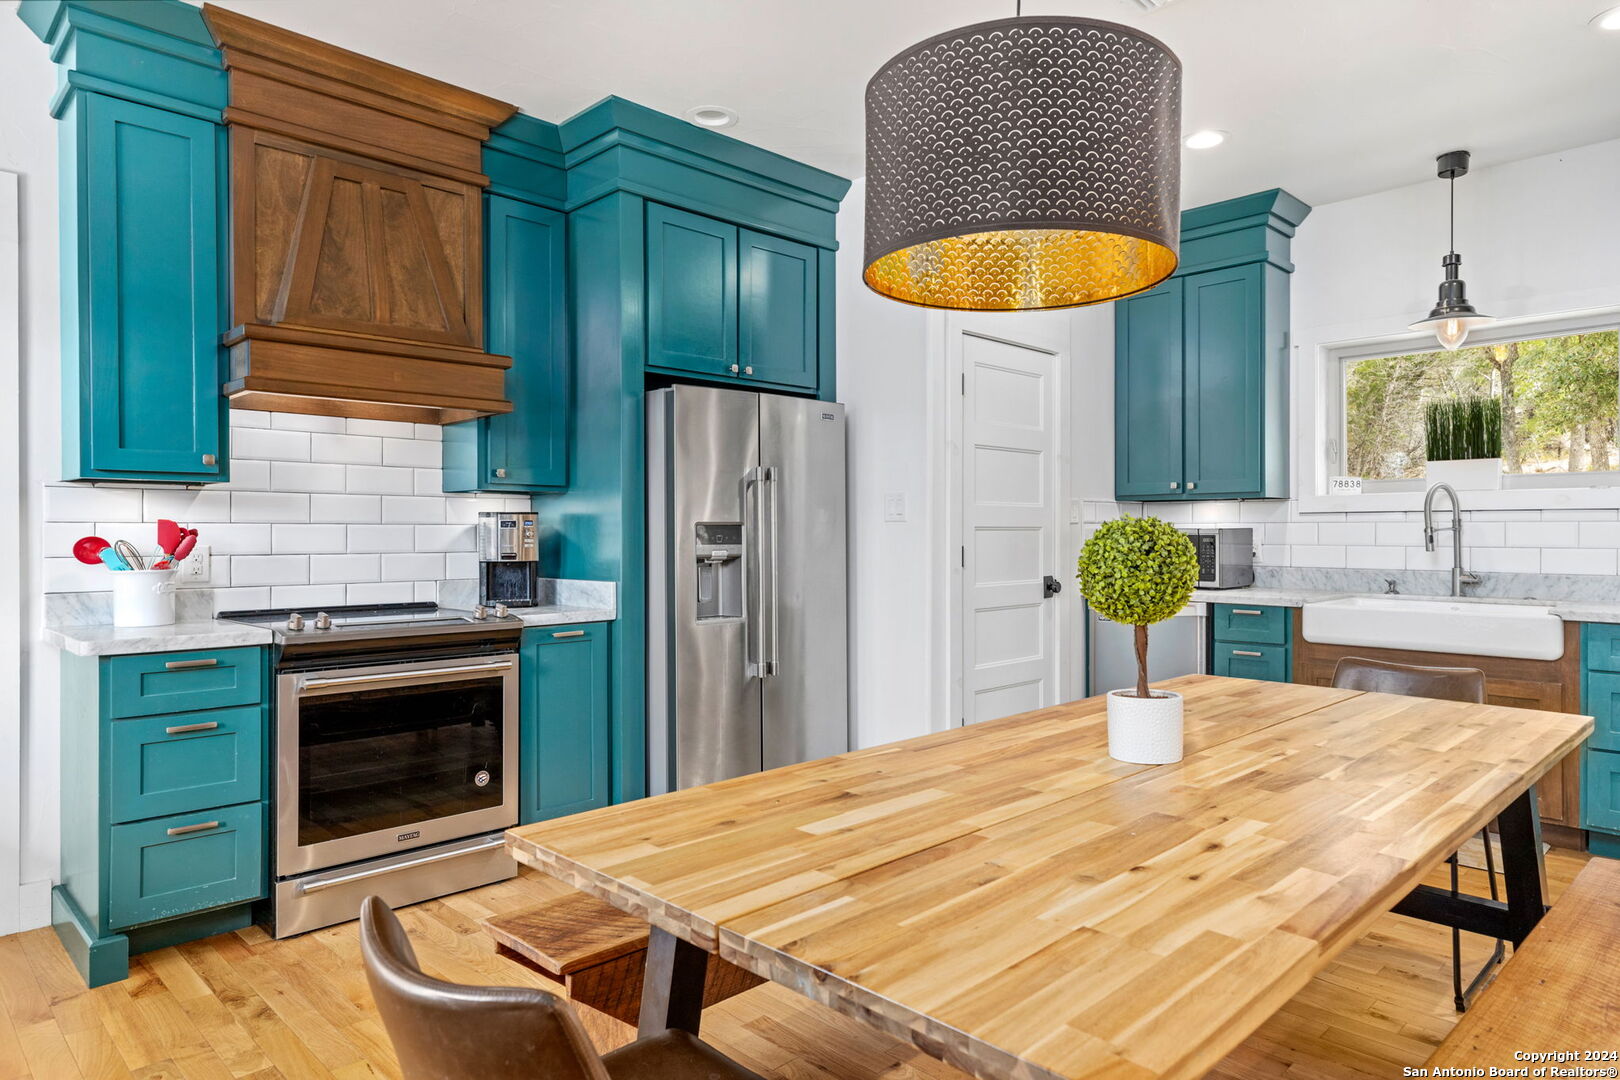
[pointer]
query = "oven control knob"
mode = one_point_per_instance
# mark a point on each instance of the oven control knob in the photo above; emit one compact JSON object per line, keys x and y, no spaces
{"x":480,"y":612}
{"x":295,"y":622}
{"x":501,"y":612}
{"x":323,"y":621}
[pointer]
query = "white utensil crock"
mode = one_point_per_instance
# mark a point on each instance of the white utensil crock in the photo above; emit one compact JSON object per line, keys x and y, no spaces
{"x":143,"y":597}
{"x":1144,"y":731}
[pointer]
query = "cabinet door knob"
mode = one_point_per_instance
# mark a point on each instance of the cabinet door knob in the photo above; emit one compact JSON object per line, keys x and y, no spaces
{"x":748,"y":371}
{"x":210,"y":459}
{"x":500,"y":474}
{"x":1175,"y":485}
{"x":734,"y":369}
{"x":1191,"y":485}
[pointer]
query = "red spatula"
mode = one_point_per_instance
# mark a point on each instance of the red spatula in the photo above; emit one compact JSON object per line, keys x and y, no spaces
{"x":169,"y":534}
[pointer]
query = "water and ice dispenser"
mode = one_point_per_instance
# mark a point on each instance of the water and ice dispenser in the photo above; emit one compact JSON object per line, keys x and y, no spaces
{"x":719,"y":578}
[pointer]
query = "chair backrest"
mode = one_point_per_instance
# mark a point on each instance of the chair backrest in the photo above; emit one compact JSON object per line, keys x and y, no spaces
{"x":1411,"y":680}
{"x":446,"y":1031}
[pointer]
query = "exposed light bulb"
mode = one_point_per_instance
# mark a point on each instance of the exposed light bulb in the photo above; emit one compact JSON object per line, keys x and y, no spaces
{"x":1451,"y":332}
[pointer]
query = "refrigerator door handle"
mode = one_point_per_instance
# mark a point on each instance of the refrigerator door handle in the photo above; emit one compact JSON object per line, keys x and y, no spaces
{"x":772,"y":659}
{"x":753,"y":504}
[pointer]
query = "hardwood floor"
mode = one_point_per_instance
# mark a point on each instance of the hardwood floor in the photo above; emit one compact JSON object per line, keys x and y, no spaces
{"x":241,"y":1005}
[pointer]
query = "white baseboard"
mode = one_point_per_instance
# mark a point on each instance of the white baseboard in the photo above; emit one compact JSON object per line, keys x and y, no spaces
{"x":33,"y":905}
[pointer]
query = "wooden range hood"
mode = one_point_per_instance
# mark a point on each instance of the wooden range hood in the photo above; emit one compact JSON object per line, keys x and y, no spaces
{"x":356,"y":233}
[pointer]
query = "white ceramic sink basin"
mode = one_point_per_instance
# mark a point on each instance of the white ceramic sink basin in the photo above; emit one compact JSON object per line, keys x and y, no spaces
{"x":1436,"y":624}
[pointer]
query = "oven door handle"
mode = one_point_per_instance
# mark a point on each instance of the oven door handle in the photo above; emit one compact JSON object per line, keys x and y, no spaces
{"x":396,"y":676}
{"x":489,"y":842}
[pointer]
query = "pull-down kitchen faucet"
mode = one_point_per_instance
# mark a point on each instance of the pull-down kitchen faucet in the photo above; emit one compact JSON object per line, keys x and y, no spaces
{"x":1459,"y":576}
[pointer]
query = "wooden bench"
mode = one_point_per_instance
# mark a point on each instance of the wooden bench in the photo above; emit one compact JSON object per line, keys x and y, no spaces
{"x":1561,"y":989}
{"x":598,"y":953}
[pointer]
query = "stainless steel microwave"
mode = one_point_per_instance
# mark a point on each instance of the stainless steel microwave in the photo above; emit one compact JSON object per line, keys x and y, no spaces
{"x":1225,"y":557}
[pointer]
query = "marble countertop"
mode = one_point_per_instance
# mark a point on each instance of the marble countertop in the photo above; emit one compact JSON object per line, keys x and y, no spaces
{"x":556,"y":614}
{"x":106,"y":640}
{"x":1594,"y":611}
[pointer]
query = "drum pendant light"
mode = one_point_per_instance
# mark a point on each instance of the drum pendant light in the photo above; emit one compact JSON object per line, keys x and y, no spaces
{"x":1024,"y":163}
{"x":1452,"y":316}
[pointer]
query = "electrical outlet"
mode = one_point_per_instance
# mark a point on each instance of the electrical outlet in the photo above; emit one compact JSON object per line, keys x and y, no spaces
{"x":1074,"y":511}
{"x":198,"y":566}
{"x":894,"y":507}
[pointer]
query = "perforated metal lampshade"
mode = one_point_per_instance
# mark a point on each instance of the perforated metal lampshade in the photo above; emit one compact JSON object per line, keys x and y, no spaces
{"x":1024,"y":163}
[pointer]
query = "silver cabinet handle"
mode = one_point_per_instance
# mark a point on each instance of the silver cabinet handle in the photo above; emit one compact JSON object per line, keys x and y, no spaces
{"x":210,"y":459}
{"x":201,"y":826}
{"x":1247,"y":611}
{"x":1175,"y":485}
{"x":420,"y":673}
{"x":1246,"y":652}
{"x":181,"y":729}
{"x":500,"y":474}
{"x":748,"y":370}
{"x":375,"y":871}
{"x":568,"y":633}
{"x":1191,"y":485}
{"x":734,"y":369}
{"x":187,"y":665}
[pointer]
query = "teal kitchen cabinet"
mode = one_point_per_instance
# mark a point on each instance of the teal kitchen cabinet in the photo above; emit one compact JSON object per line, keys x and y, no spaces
{"x":142,"y":183}
{"x":525,"y":291}
{"x":1600,"y":762}
{"x":564,"y":739}
{"x":1251,"y":642}
{"x":164,"y":834}
{"x":730,"y":304}
{"x":1201,"y":362}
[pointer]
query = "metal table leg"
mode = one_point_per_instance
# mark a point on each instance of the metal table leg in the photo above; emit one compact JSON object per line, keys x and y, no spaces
{"x":672,"y":987}
{"x":1523,"y":868}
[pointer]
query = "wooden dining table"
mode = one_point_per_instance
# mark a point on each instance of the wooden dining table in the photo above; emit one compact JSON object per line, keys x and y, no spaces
{"x":1015,"y":902}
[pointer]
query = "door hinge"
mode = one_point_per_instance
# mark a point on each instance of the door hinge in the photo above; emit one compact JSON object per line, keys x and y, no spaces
{"x":964,"y":384}
{"x":964,"y":557}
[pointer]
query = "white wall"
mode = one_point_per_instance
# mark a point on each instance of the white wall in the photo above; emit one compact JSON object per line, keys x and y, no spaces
{"x":892,"y":377}
{"x":1538,"y":237}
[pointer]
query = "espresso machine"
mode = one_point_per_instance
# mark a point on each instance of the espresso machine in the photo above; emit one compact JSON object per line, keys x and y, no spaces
{"x":508,"y":558}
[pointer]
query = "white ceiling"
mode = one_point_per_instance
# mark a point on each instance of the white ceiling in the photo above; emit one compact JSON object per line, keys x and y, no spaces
{"x":1327,"y":98}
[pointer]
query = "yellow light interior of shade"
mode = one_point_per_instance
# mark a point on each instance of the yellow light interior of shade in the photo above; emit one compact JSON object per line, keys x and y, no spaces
{"x":1021,"y":269}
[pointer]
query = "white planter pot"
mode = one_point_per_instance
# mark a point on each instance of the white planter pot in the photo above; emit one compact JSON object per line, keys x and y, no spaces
{"x":1469,"y":474}
{"x":1144,"y":731}
{"x":143,"y":597}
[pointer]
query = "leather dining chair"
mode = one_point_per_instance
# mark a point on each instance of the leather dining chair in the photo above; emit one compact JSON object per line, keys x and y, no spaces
{"x":1446,"y":684}
{"x":447,"y":1031}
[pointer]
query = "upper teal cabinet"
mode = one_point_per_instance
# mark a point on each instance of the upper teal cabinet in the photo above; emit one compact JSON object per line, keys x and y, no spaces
{"x":730,"y":304}
{"x":142,"y":226}
{"x":1201,"y":362}
{"x":525,"y":289}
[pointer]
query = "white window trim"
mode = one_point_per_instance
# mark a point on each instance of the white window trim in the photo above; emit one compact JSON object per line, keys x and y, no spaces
{"x":1595,"y":490}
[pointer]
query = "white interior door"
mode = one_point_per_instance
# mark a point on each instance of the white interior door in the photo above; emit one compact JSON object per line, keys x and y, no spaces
{"x":1009,"y":528}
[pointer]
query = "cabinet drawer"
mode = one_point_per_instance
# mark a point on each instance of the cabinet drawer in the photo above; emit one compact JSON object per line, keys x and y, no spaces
{"x":1600,"y":646}
{"x":1600,"y":790}
{"x":1248,"y":623}
{"x":148,"y":685}
{"x":184,"y":863}
{"x":172,"y":764}
{"x":1246,"y":661}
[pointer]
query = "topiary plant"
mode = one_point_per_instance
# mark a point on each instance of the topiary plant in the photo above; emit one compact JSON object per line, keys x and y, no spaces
{"x":1138,"y":571}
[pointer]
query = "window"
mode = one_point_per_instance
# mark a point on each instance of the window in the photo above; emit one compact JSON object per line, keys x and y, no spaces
{"x":1560,"y":396}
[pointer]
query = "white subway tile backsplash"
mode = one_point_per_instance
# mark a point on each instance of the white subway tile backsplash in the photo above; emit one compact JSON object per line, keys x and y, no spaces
{"x":270,"y":570}
{"x":381,"y":480}
{"x":343,"y":569}
{"x":1438,"y":559}
{"x":305,"y":476}
{"x":1318,"y":554}
{"x":269,"y":444}
{"x":1504,"y":560}
{"x":1485,"y":533}
{"x":346,"y":449}
{"x":1542,"y":534}
{"x":1291,"y":533}
{"x":1579,"y":560}
{"x":1396,"y":534}
{"x":413,"y":510}
{"x":1214,"y":512}
{"x":1347,"y":533}
{"x":309,"y":539}
{"x":312,"y":516}
{"x":1600,"y":534}
{"x":1580,"y":515}
{"x":1372,"y":557}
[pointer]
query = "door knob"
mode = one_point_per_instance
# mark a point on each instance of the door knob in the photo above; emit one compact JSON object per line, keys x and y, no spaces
{"x":210,"y":459}
{"x":734,"y":369}
{"x":500,"y":474}
{"x":1174,"y":485}
{"x":748,"y":371}
{"x":1052,"y":587}
{"x":1191,"y":485}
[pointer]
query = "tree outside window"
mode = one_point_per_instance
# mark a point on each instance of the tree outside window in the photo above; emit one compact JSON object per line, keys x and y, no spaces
{"x":1560,"y":399}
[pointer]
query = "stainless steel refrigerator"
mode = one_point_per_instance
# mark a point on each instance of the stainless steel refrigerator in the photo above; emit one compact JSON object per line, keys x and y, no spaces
{"x":747,"y":667}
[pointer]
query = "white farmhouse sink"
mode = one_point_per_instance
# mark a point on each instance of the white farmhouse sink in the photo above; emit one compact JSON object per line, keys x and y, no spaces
{"x":1436,"y":624}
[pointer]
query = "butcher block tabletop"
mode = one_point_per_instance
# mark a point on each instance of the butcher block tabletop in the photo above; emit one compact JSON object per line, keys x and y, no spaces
{"x":1018,"y":904}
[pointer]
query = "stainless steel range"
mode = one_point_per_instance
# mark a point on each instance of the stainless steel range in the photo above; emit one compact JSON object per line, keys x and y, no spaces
{"x":396,"y":755}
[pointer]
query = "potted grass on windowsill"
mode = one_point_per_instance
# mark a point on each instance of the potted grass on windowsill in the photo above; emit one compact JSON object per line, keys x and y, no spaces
{"x":1463,"y":441}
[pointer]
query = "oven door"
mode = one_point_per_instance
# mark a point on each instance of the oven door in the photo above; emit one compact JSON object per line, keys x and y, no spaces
{"x":378,"y":760}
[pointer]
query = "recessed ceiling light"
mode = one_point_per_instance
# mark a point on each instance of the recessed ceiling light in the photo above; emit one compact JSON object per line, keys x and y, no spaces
{"x":1204,"y":140}
{"x":1606,"y":20}
{"x":712,"y":116}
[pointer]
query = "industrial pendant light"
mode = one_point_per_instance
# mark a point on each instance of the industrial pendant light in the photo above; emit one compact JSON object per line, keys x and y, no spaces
{"x":1024,"y":163}
{"x":1453,"y":316}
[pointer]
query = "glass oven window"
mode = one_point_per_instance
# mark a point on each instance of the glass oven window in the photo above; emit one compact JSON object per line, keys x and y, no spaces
{"x":395,"y":756}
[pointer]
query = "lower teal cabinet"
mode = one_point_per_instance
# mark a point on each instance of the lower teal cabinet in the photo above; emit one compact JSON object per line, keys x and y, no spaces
{"x":564,"y":731}
{"x":164,"y":820}
{"x":525,"y":291}
{"x":1600,"y":803}
{"x":184,"y":863}
{"x":1251,"y":642}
